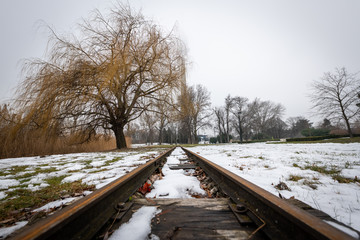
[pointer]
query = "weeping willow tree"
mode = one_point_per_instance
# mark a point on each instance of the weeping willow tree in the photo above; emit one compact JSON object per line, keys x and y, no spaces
{"x":104,"y":77}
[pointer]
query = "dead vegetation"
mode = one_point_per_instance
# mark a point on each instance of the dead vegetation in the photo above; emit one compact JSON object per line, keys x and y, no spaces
{"x":20,"y":203}
{"x":34,"y":145}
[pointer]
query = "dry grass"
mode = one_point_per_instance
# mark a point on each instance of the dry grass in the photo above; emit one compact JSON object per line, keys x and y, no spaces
{"x":295,"y":178}
{"x":37,"y":146}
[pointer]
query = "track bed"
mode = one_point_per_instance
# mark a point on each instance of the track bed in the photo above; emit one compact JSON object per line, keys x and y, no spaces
{"x":195,"y":219}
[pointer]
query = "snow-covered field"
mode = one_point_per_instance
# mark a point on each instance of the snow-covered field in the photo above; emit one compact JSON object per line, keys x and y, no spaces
{"x":33,"y":173}
{"x":299,"y":166}
{"x":91,"y":168}
{"x":308,"y":170}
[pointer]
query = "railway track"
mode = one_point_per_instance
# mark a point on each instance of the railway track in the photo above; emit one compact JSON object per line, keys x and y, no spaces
{"x":246,"y":212}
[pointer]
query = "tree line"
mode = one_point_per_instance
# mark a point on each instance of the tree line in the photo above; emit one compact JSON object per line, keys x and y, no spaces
{"x":122,"y":74}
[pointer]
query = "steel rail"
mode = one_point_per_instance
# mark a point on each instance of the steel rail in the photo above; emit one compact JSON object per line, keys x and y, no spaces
{"x":84,"y":218}
{"x":283,"y":220}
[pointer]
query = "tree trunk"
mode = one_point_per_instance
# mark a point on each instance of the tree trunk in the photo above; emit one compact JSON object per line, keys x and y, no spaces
{"x":349,"y":128}
{"x":161,"y":132}
{"x":241,"y":134}
{"x":120,"y":137}
{"x":195,"y":138}
{"x":345,"y":118}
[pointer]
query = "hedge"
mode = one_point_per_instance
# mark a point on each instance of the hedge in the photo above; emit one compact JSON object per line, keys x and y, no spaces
{"x":318,"y":138}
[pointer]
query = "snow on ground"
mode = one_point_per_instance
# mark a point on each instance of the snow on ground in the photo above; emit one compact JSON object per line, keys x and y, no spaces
{"x":57,"y":203}
{"x":99,"y":169}
{"x":175,"y":183}
{"x":138,"y":227}
{"x":267,"y":164}
{"x":91,"y":168}
{"x":4,"y":232}
{"x":344,"y":229}
{"x":263,"y":164}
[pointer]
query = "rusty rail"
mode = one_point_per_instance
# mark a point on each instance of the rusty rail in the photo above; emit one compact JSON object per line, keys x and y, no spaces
{"x":274,"y":216}
{"x":84,"y":218}
{"x":282,"y":219}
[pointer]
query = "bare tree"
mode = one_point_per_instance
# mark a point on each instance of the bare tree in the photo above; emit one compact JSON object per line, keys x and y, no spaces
{"x":334,"y":96}
{"x":148,"y":122}
{"x":220,"y":122}
{"x":165,"y":111}
{"x":227,"y":110}
{"x":239,"y":111}
{"x":105,"y":79}
{"x":201,"y":109}
{"x":194,"y":110}
{"x":263,"y":115}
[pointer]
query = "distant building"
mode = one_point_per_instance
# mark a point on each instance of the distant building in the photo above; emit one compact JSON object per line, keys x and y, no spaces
{"x":203,"y":139}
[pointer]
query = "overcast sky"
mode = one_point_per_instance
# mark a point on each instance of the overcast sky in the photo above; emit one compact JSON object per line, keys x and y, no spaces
{"x":256,"y":48}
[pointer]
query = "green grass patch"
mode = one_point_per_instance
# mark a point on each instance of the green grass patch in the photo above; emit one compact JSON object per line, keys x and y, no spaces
{"x":39,"y":170}
{"x":62,"y":163}
{"x":54,"y":181}
{"x":115,"y":159}
{"x":335,"y":140}
{"x":19,"y":186}
{"x":13,"y":170}
{"x":87,"y":162}
{"x":28,"y":175}
{"x":17,"y":200}
{"x":25,"y":175}
{"x":44,"y":165}
{"x":24,"y":180}
{"x":296,"y":165}
{"x":99,"y":170}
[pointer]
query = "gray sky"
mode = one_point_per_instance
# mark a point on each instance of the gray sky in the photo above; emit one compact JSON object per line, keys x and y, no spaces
{"x":255,"y":48}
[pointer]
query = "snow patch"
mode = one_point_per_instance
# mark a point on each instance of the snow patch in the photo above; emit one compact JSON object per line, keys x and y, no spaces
{"x":344,"y":229}
{"x":6,"y":183}
{"x":268,"y":164}
{"x":138,"y":227}
{"x":55,"y":204}
{"x":175,"y":184}
{"x":74,"y":177}
{"x":4,"y":232}
{"x":2,"y":195}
